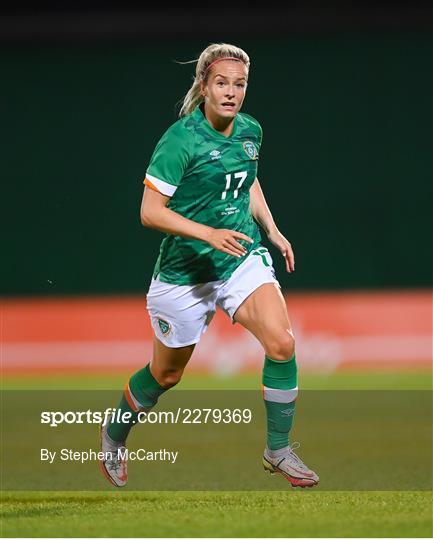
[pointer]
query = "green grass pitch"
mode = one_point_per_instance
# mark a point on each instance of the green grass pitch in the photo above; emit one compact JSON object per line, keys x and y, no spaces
{"x":295,"y":513}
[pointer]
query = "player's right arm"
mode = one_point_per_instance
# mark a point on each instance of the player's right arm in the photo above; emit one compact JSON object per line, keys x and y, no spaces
{"x":155,"y":214}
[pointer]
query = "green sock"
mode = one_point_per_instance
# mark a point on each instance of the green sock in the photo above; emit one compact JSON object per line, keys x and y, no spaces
{"x":280,"y":388}
{"x":141,"y":393}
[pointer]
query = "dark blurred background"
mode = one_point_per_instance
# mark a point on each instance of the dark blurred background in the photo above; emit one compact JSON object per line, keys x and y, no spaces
{"x":344,"y":95}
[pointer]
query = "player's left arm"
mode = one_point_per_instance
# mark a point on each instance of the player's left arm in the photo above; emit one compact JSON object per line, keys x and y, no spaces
{"x":263,"y":216}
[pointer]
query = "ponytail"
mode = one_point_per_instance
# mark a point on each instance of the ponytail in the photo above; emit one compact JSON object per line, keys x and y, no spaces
{"x":192,"y":99}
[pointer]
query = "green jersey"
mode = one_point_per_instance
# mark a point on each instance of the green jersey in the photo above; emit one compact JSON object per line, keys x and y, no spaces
{"x":208,"y":178}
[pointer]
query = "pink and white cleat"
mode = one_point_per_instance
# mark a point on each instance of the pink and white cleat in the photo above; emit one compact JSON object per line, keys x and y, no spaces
{"x":287,"y":463}
{"x":114,"y":463}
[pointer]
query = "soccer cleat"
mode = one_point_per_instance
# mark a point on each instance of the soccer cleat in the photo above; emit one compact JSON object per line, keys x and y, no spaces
{"x":113,"y":465}
{"x":291,"y":467}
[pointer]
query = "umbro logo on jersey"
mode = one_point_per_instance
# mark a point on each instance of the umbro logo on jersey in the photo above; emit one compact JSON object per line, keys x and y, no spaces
{"x":215,"y":154}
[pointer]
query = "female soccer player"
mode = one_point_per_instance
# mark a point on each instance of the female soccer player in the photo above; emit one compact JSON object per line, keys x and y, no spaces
{"x":201,"y":188}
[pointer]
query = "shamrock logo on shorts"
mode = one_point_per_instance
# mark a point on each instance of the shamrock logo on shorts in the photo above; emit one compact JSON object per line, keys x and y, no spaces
{"x":165,"y":326}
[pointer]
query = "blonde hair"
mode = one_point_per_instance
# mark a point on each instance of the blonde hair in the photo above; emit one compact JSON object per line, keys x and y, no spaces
{"x":215,"y":51}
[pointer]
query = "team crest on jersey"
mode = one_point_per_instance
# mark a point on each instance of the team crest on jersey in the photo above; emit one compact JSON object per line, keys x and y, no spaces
{"x":250,"y":149}
{"x":165,"y":326}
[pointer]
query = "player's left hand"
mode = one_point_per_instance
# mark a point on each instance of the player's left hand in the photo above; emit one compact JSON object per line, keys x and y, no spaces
{"x":285,"y":247}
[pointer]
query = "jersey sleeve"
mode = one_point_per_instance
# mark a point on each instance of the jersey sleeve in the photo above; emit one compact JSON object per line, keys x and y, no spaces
{"x":169,"y":161}
{"x":254,"y":129}
{"x":259,"y":135}
{"x":257,"y":128}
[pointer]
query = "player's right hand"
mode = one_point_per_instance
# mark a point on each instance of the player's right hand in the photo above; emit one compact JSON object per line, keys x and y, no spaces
{"x":226,"y":241}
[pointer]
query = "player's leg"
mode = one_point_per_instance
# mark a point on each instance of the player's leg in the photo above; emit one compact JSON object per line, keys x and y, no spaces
{"x":168,"y":363}
{"x":141,"y":393}
{"x":147,"y":384}
{"x":179,"y":315}
{"x":264,"y":314}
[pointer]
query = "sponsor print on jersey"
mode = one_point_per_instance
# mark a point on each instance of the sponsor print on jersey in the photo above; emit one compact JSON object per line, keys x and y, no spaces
{"x":165,"y":326}
{"x":250,"y":149}
{"x":230,"y":210}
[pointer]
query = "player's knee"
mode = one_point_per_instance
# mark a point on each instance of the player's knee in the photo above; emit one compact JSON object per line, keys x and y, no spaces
{"x":169,"y":378}
{"x":282,"y":347}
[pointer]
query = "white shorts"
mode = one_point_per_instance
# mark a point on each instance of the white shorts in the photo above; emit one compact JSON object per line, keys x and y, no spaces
{"x":180,"y":314}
